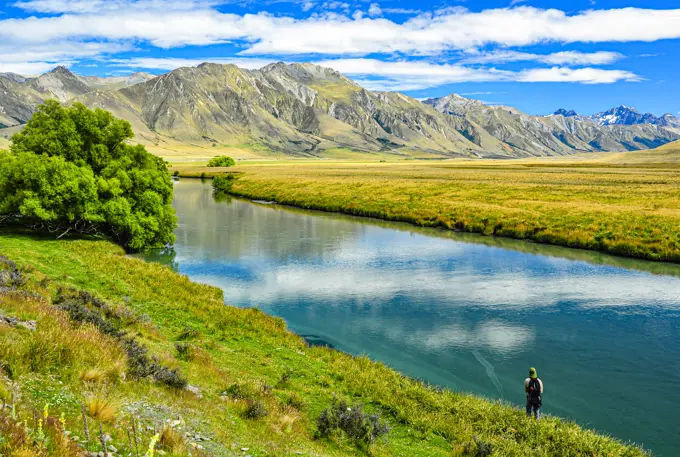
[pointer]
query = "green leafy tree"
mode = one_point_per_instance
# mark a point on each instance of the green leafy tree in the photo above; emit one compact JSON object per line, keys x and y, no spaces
{"x":221,"y":161}
{"x":70,"y":170}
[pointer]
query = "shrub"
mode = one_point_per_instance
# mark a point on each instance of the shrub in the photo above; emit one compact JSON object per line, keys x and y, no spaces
{"x":221,"y":161}
{"x":10,"y":276}
{"x":479,"y":448}
{"x":184,"y":351}
{"x":70,"y":171}
{"x":188,"y":333}
{"x":295,"y":401}
{"x":171,"y":377}
{"x":362,"y":428}
{"x":241,"y":392}
{"x":223,"y":184}
{"x":142,"y":366}
{"x":83,"y":307}
{"x":255,"y":409}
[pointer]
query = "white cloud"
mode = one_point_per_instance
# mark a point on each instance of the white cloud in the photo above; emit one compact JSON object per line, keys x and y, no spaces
{"x":374,"y":10}
{"x":96,"y":6}
{"x":151,"y":63}
{"x":557,"y":58}
{"x":58,"y":51}
{"x":35,"y":59}
{"x":78,"y":29}
{"x":401,"y":11}
{"x":336,"y":34}
{"x":335,"y":6}
{"x":408,"y":75}
{"x":578,"y":75}
{"x":31,"y":68}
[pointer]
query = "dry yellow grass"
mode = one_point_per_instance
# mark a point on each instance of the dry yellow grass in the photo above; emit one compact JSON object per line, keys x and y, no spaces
{"x":584,"y":203}
{"x":101,"y":405}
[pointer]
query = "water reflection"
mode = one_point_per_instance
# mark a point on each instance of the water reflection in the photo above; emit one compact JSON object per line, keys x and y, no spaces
{"x":467,"y":312}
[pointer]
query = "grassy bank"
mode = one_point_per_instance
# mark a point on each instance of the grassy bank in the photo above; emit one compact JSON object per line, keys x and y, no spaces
{"x":618,"y":208}
{"x":252,"y":384}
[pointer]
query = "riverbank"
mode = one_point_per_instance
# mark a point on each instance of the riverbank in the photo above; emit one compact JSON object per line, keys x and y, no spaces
{"x":252,"y":384}
{"x":621,"y":209}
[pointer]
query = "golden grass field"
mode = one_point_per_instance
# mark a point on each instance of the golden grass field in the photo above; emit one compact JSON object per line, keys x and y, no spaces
{"x":622,"y":203}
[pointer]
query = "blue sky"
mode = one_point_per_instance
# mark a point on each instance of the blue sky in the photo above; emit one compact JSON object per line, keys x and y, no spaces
{"x":536,"y":55}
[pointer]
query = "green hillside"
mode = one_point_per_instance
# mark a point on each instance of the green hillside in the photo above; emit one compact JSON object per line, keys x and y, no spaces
{"x":76,"y":315}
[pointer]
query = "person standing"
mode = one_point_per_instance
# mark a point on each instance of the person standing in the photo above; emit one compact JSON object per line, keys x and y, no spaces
{"x":533,"y":387}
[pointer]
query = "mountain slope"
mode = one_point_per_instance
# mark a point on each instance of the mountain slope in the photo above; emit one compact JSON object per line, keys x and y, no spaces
{"x":565,"y":132}
{"x":20,"y":95}
{"x":308,"y":110}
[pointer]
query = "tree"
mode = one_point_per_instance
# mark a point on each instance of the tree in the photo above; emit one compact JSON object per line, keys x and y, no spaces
{"x":221,"y":161}
{"x":70,"y":170}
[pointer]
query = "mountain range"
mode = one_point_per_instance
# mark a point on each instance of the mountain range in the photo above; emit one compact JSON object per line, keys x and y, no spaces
{"x":308,"y":110}
{"x":623,"y":115}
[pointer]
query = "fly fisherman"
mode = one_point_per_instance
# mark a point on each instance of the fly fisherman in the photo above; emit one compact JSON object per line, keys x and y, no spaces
{"x":533,"y":387}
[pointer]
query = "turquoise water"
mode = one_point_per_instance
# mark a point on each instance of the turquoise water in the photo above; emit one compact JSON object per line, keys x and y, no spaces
{"x":467,"y":312}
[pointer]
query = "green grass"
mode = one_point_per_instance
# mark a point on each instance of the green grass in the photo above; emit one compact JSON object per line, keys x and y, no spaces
{"x":616,"y":208}
{"x":61,"y":364}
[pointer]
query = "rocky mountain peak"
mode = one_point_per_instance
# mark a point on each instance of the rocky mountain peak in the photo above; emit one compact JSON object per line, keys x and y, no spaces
{"x":565,"y":113}
{"x":61,"y":71}
{"x":454,"y":104}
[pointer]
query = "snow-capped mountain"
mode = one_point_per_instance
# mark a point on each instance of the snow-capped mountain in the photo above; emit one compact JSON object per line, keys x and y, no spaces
{"x":623,"y":115}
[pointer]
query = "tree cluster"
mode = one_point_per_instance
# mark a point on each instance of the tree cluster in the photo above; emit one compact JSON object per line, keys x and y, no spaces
{"x":70,"y":170}
{"x":221,"y":161}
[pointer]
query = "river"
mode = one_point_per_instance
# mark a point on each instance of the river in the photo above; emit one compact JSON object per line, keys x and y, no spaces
{"x":463,"y":311}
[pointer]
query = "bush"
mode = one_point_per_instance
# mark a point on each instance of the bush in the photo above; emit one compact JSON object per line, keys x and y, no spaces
{"x":255,"y":410}
{"x":83,"y":307}
{"x":479,"y":448}
{"x":295,"y":402}
{"x":184,"y":351}
{"x":70,"y":171}
{"x":362,"y":428}
{"x":221,"y":161}
{"x":241,"y":392}
{"x":223,"y":184}
{"x":11,"y":277}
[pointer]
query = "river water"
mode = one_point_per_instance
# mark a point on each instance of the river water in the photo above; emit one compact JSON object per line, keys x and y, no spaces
{"x":463,"y":311}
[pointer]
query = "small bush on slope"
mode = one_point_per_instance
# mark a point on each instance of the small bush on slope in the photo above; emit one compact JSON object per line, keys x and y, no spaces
{"x":362,"y":428}
{"x":83,"y":307}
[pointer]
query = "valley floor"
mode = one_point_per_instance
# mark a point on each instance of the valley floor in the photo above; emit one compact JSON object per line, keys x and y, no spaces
{"x":69,"y":308}
{"x":626,"y":204}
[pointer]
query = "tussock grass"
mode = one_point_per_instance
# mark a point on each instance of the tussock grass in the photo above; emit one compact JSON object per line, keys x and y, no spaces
{"x":172,"y":441}
{"x":628,"y":211}
{"x":101,"y":405}
{"x":245,"y":363}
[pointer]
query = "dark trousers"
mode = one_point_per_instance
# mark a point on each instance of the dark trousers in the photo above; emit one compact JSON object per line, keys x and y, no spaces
{"x":535,"y":407}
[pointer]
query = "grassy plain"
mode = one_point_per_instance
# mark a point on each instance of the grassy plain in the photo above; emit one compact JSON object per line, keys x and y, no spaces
{"x":234,"y":357}
{"x":625,"y":204}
